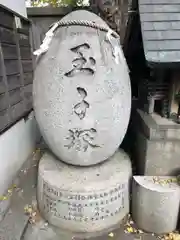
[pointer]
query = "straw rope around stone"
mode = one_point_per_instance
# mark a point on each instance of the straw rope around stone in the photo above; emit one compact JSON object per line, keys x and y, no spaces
{"x":86,"y":23}
{"x":49,"y":35}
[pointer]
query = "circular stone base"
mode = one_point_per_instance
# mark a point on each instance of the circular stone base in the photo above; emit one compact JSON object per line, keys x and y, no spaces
{"x":155,"y":203}
{"x":84,"y":199}
{"x":89,"y":235}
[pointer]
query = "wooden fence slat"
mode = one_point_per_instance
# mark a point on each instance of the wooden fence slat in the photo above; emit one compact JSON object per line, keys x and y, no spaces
{"x":4,"y":77}
{"x":13,"y":81}
{"x":27,"y":66}
{"x":4,"y":104}
{"x":23,"y":40}
{"x":15,"y":96}
{"x":4,"y":119}
{"x":11,"y":67}
{"x":28,"y":78}
{"x":6,"y":19}
{"x":7,"y":36}
{"x":15,"y":59}
{"x":9,"y":51}
{"x":2,"y":85}
{"x":17,"y":111}
{"x":25,"y":53}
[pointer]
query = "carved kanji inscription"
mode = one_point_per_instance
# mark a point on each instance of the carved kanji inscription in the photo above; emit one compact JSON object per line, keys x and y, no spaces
{"x":81,"y":64}
{"x":81,"y":107}
{"x":81,"y":140}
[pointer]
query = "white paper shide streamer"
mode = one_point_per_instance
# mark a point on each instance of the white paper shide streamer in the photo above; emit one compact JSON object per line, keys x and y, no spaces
{"x":47,"y":40}
{"x":116,"y":51}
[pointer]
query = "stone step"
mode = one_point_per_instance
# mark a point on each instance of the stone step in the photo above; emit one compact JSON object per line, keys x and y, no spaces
{"x":15,"y":221}
{"x":155,"y":203}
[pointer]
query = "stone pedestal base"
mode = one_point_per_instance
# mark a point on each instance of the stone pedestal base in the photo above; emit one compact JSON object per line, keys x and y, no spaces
{"x":84,"y":199}
{"x":157,"y":148}
{"x":155,"y":203}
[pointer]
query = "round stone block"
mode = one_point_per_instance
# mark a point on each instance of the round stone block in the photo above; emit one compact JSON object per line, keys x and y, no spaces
{"x":84,"y":199}
{"x":82,"y":93}
{"x":155,"y":203}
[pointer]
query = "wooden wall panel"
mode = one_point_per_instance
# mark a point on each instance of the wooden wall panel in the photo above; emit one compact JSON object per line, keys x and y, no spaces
{"x":26,"y":54}
{"x":6,"y":18}
{"x":28,"y":78}
{"x":7,"y":36}
{"x":13,"y":81}
{"x":4,"y":119}
{"x":16,"y":68}
{"x":11,"y":66}
{"x":23,"y":40}
{"x":9,"y":51}
{"x":27,"y":66}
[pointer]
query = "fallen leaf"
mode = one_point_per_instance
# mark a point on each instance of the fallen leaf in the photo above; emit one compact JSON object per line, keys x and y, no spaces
{"x":28,"y":209}
{"x":111,"y":235}
{"x":175,"y":236}
{"x":130,"y":230}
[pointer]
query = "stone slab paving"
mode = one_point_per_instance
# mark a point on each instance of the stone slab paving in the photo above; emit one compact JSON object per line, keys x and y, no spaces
{"x":41,"y":232}
{"x":15,"y":221}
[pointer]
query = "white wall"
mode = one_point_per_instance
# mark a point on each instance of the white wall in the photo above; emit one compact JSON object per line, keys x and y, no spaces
{"x":16,"y":146}
{"x":15,"y":5}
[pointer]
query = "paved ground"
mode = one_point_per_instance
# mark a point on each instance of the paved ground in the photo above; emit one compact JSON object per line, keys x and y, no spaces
{"x":41,"y":232}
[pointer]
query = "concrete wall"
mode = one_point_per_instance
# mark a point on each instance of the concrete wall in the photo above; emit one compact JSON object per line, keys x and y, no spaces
{"x":16,"y":6}
{"x":16,"y":145}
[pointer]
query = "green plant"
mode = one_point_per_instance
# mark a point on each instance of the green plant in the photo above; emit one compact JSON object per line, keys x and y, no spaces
{"x":57,"y":3}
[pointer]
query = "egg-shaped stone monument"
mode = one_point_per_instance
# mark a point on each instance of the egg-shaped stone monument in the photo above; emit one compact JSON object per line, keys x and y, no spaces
{"x":82,"y":94}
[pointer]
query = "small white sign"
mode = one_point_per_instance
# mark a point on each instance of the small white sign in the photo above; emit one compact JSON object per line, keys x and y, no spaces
{"x":18,"y":22}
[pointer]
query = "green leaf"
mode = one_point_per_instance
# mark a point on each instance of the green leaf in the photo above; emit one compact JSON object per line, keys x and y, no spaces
{"x":57,"y":3}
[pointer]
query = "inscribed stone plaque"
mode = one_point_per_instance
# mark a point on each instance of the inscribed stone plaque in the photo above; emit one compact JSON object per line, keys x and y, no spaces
{"x":84,"y":199}
{"x":82,"y":94}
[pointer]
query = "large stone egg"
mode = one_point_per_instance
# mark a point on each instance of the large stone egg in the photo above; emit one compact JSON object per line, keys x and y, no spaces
{"x":82,"y":93}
